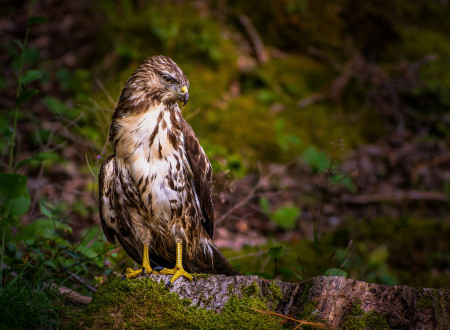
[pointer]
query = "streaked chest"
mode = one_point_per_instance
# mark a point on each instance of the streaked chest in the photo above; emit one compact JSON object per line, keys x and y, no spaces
{"x":151,"y":152}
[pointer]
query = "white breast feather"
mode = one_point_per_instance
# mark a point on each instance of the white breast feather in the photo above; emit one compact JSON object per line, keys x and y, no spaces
{"x":145,"y":162}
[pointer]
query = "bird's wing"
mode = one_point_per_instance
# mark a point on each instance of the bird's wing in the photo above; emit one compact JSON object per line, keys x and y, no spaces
{"x":115,"y":225}
{"x":202,"y":171}
{"x":107,"y":213}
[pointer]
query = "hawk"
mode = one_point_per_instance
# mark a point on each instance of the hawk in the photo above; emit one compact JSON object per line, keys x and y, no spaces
{"x":155,"y":191}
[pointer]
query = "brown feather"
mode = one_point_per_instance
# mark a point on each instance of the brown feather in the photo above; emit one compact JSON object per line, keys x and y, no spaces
{"x":202,"y":170}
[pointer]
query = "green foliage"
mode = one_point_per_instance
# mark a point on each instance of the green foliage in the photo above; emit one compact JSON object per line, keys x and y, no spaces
{"x":285,"y":217}
{"x":276,"y":252}
{"x":59,"y":108}
{"x":344,"y":180}
{"x":223,"y":161}
{"x":35,"y":255}
{"x":28,"y":305}
{"x":289,"y":261}
{"x":317,"y":160}
{"x":37,"y":159}
{"x":335,"y":272}
{"x":14,"y":201}
{"x":170,"y":28}
{"x":285,"y":140}
{"x":42,"y":244}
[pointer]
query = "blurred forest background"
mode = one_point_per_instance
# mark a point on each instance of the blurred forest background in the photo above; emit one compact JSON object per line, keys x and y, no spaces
{"x":327,"y":124}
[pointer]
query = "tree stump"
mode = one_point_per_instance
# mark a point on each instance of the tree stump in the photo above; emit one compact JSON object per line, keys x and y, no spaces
{"x":335,"y":301}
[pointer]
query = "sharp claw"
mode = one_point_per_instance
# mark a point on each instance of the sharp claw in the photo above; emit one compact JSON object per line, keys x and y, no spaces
{"x":195,"y":280}
{"x":124,"y":277}
{"x":168,"y":284}
{"x":158,"y":268}
{"x":124,"y":271}
{"x":143,"y":270}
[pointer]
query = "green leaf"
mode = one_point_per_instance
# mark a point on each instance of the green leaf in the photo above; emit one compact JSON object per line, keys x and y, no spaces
{"x":36,"y":20}
{"x":26,"y":95}
{"x":264,"y":205}
{"x":289,"y":272}
{"x":344,"y":181}
{"x":59,"y":108}
{"x":286,"y":217}
{"x":74,"y":254}
{"x":30,"y":75}
{"x":12,"y":251}
{"x":379,"y":256}
{"x":316,"y":159}
{"x":388,"y":279}
{"x":45,"y":211}
{"x":38,"y":157}
{"x":14,"y":197}
{"x":335,"y":272}
{"x":50,"y":263}
{"x":5,"y":230}
{"x":41,"y":228}
{"x":276,"y":252}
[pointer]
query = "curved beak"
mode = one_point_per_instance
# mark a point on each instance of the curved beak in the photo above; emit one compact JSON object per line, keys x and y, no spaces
{"x":184,"y":95}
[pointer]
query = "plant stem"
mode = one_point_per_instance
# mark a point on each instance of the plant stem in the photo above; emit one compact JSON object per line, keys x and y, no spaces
{"x":18,"y":92}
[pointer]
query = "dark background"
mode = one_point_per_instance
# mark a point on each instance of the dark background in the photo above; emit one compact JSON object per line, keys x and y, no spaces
{"x":327,"y":124}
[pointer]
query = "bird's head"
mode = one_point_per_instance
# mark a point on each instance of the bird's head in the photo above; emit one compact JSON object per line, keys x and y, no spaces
{"x":169,"y":80}
{"x":157,"y":80}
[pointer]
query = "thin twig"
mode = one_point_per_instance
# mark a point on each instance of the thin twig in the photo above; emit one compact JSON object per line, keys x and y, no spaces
{"x":79,"y":279}
{"x":105,"y":91}
{"x":138,"y":315}
{"x":252,"y":194}
{"x":347,"y":250}
{"x":254,"y":38}
{"x":75,"y":297}
{"x":302,"y":322}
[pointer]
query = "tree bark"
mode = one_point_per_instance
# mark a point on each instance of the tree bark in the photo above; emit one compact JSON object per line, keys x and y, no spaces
{"x":336,"y":301}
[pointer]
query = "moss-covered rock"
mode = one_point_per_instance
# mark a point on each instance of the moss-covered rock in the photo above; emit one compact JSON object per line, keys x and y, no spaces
{"x":361,"y":320}
{"x":145,"y":303}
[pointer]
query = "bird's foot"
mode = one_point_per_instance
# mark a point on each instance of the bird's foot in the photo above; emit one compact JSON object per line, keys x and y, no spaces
{"x":130,"y":273}
{"x":176,"y":272}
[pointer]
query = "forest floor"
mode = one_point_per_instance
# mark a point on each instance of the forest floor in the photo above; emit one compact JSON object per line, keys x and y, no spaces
{"x":381,"y":212}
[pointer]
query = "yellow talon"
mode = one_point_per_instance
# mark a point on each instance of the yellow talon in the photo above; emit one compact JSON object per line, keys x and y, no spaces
{"x":178,"y":270}
{"x":146,"y":268}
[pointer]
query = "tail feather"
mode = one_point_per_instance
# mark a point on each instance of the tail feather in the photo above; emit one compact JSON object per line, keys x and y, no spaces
{"x":203,"y":263}
{"x":221,"y":264}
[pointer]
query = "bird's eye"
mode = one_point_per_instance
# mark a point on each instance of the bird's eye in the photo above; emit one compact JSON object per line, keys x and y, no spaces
{"x":167,"y":79}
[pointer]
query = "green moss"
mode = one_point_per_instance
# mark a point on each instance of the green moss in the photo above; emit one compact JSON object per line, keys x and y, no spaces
{"x":275,"y":292}
{"x":203,"y":276}
{"x":425,"y":301}
{"x":361,"y":320}
{"x":307,"y":309}
{"x":230,"y":288}
{"x":437,"y":301}
{"x":251,"y":291}
{"x":148,"y":304}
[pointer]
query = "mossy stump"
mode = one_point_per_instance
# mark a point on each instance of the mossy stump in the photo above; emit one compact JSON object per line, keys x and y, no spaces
{"x":231,"y":302}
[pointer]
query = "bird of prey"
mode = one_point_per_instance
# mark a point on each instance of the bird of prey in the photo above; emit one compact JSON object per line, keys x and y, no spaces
{"x":155,"y":191}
